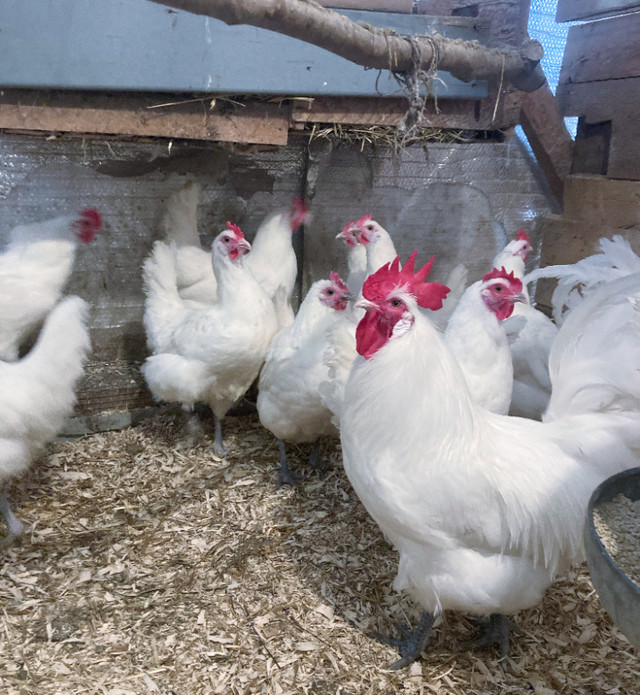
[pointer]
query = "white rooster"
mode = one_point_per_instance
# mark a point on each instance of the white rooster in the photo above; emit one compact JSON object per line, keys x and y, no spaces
{"x":208,"y":354}
{"x":531,"y":334}
{"x":289,"y":402}
{"x":476,"y":337}
{"x":484,"y":509}
{"x":38,"y":393}
{"x":272,"y":259}
{"x":34,"y":269}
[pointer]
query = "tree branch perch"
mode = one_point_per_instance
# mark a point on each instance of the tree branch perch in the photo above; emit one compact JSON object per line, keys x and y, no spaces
{"x":374,"y":47}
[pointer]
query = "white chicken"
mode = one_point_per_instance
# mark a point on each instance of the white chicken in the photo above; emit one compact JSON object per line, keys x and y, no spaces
{"x":476,"y":337}
{"x":616,"y":259}
{"x":289,"y":402}
{"x":34,"y":269}
{"x":194,"y":275}
{"x":531,"y":334}
{"x":272,"y":259}
{"x":379,"y":246}
{"x":38,"y":393}
{"x":357,"y":258}
{"x":484,"y":509}
{"x":206,"y":353}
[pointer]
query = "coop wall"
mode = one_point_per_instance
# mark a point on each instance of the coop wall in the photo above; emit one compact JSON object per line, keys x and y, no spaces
{"x":459,"y":201}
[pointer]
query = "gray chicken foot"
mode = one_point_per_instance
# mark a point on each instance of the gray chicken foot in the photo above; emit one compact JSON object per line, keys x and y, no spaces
{"x":14,"y":526}
{"x":285,"y":474}
{"x":219,"y":449}
{"x":315,"y":460}
{"x":494,"y":631}
{"x":192,"y":430}
{"x":411,"y":643}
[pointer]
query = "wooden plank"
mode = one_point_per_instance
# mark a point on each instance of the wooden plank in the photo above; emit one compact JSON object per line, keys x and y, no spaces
{"x":405,"y":6}
{"x":463,"y":114}
{"x":506,"y":19}
{"x":548,"y":136}
{"x":256,"y":123}
{"x":572,"y":10}
{"x":86,"y":45}
{"x":609,"y":49}
{"x":612,"y":100}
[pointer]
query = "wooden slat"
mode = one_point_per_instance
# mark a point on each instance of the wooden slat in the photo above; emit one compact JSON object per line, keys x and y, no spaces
{"x":463,"y":114}
{"x":572,"y":10}
{"x":404,"y":6}
{"x":258,"y":123}
{"x":616,"y":101}
{"x":609,"y":49}
{"x":548,"y":136}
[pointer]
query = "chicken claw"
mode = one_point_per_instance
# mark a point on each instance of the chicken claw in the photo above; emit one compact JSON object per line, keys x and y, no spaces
{"x":411,"y":643}
{"x":494,"y":631}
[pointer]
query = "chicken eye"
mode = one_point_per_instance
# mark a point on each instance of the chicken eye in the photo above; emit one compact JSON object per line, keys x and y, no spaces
{"x":226,"y":239}
{"x":498,"y":288}
{"x":396,"y":303}
{"x":330,"y":292}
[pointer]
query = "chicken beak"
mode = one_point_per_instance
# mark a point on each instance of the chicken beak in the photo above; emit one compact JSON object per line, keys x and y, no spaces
{"x":243,"y":246}
{"x":366,"y":305}
{"x":521,"y":297}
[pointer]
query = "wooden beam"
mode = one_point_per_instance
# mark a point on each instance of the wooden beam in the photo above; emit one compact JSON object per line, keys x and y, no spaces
{"x":149,"y":115}
{"x":605,"y":50}
{"x":572,"y":10}
{"x":548,"y":136}
{"x":612,"y":100}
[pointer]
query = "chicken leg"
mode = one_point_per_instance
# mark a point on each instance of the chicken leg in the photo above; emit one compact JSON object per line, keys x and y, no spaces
{"x":14,"y":525}
{"x":494,"y":631}
{"x":285,"y":474}
{"x":411,"y":643}
{"x":315,"y":460}
{"x":219,"y":449}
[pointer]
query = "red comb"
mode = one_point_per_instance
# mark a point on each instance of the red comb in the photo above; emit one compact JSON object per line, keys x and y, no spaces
{"x":364,"y":219}
{"x":88,"y":224}
{"x":337,"y":281}
{"x":299,"y":213}
{"x":429,"y":295}
{"x":523,"y":236}
{"x":235,"y":229}
{"x":501,"y":274}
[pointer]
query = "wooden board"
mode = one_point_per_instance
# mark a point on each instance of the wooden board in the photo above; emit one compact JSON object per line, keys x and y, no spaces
{"x":571,"y":10}
{"x":609,"y":49}
{"x":548,"y":136}
{"x":87,"y":45}
{"x":258,"y":123}
{"x":463,"y":114}
{"x":612,"y":100}
{"x":405,"y":6}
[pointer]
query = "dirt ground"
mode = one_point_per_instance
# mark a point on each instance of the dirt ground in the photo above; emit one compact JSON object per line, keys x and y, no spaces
{"x":150,"y":569}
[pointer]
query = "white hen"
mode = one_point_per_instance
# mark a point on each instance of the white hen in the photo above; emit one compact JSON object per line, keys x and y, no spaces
{"x":616,"y":259}
{"x":272,"y":259}
{"x":476,"y":337}
{"x":34,"y":269}
{"x":207,"y":353}
{"x":289,"y":402}
{"x":531,"y":334}
{"x":38,"y":392}
{"x":484,"y":509}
